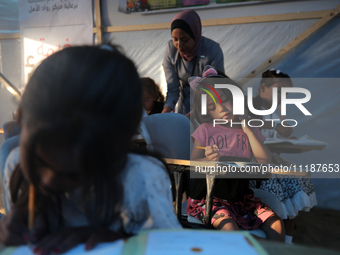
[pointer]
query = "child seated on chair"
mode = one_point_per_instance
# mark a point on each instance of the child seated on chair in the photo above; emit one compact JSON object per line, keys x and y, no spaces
{"x":74,"y":150}
{"x":234,"y":204}
{"x":295,"y":193}
{"x":153,"y":99}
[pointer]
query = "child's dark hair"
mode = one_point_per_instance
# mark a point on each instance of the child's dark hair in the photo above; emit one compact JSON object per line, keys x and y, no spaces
{"x":270,"y":77}
{"x":78,"y":97}
{"x":210,"y":81}
{"x":151,"y":87}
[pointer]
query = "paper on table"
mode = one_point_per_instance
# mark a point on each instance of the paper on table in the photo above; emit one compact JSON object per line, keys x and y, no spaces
{"x":304,"y":140}
{"x":239,"y":164}
{"x":197,"y":242}
{"x":114,"y":248}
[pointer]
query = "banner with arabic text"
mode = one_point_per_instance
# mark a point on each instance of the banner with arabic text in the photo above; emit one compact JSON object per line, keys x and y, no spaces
{"x":48,"y":26}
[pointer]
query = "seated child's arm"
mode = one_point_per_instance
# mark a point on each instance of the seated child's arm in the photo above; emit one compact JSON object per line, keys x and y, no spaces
{"x":210,"y":153}
{"x":260,"y":151}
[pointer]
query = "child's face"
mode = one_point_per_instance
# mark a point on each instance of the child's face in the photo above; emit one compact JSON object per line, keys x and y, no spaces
{"x":55,"y":166}
{"x":218,"y":111}
{"x":266,"y":93}
{"x":148,"y":100}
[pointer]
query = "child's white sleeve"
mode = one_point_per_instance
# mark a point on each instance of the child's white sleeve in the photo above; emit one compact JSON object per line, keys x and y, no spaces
{"x":148,"y":200}
{"x":11,"y":162}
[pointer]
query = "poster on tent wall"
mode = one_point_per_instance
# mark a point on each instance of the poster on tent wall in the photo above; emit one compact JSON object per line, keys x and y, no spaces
{"x":48,"y":26}
{"x":130,"y":6}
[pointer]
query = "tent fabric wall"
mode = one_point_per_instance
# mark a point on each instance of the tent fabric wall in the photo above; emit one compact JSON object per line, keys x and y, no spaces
{"x":314,"y":64}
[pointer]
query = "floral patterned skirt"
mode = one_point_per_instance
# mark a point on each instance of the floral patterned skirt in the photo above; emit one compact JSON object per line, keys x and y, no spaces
{"x":295,"y":194}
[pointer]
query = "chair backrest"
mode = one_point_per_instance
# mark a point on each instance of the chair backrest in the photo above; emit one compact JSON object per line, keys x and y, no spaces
{"x":167,"y":134}
{"x":6,"y":147}
{"x":269,"y":199}
{"x":11,"y":128}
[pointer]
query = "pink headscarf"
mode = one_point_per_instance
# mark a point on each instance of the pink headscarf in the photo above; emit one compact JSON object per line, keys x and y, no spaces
{"x":193,"y":20}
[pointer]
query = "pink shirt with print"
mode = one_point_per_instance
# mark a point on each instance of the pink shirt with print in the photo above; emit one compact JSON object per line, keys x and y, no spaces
{"x":230,"y":141}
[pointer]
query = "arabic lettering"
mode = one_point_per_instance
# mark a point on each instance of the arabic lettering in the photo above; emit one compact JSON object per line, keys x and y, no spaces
{"x":70,"y":6}
{"x":57,"y":7}
{"x":48,"y":7}
{"x":28,"y":61}
{"x":43,"y":50}
{"x":35,"y":8}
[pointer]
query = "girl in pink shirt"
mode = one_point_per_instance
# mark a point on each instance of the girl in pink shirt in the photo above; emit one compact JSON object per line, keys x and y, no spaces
{"x":234,"y":204}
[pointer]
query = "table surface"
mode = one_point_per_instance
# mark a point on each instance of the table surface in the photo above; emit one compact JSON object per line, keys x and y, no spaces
{"x":293,"y":148}
{"x":275,"y":248}
{"x":192,"y":164}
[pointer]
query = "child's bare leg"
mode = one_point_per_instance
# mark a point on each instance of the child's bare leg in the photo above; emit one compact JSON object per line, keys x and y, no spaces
{"x":225,"y":223}
{"x":274,"y":229}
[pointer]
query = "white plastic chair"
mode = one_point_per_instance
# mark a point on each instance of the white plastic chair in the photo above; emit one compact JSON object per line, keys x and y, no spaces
{"x":167,"y":134}
{"x":5,"y":148}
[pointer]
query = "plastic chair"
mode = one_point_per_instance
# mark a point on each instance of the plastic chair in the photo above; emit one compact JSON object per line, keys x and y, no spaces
{"x":6,"y":147}
{"x":167,"y":134}
{"x":11,"y":128}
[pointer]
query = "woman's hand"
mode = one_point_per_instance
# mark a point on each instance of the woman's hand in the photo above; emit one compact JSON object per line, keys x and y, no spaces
{"x":212,"y":153}
{"x":68,"y":238}
{"x":167,"y":109}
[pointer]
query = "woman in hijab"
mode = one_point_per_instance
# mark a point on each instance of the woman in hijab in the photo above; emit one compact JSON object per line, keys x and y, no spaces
{"x":186,"y":55}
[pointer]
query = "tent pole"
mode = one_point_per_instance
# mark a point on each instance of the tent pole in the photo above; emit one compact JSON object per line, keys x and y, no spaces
{"x":10,"y":87}
{"x":98,"y":22}
{"x":225,"y":21}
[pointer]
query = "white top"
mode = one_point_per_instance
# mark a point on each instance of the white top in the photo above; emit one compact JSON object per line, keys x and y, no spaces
{"x":11,"y":162}
{"x":147,"y":197}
